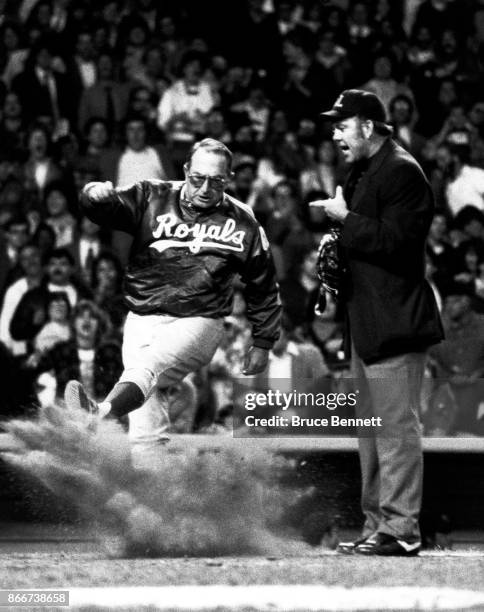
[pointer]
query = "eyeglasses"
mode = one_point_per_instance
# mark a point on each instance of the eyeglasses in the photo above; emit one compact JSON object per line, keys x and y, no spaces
{"x":216,"y":182}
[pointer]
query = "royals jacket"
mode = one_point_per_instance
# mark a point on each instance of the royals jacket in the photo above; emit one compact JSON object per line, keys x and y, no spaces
{"x":183,"y":261}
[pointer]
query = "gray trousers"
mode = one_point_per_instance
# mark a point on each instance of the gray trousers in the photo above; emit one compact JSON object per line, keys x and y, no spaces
{"x":391,"y":457}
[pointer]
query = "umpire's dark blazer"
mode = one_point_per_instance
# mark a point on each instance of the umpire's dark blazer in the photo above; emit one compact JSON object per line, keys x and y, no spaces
{"x":390,"y":306}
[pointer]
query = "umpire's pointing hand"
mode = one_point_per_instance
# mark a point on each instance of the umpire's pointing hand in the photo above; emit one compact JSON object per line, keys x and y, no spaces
{"x":336,"y":207}
{"x":256,"y":360}
{"x":97,"y":192}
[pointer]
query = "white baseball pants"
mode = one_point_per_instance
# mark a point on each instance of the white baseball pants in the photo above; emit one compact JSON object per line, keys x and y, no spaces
{"x":160,"y":350}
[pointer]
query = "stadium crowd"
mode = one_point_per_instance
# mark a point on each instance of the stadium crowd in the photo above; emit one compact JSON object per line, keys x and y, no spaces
{"x":119,"y":90}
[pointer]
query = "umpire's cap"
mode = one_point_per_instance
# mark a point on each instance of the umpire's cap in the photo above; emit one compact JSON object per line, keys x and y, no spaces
{"x":356,"y":102}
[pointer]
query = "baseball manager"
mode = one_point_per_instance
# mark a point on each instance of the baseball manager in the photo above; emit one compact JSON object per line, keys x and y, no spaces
{"x":190,"y":240}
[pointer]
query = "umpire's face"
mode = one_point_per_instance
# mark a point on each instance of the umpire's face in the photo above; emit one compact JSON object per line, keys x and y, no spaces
{"x":352,"y":137}
{"x":205,"y":178}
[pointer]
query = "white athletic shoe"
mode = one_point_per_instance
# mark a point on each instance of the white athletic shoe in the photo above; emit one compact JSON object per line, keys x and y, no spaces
{"x":75,"y":396}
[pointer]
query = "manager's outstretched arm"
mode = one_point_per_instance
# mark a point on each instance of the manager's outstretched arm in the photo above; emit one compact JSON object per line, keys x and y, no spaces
{"x":116,"y":208}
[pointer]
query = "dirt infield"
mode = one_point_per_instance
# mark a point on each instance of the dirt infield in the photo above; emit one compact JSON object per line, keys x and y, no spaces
{"x":187,"y":518}
{"x":27,"y":570}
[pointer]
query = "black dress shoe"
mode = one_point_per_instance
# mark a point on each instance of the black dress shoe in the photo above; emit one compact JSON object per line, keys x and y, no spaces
{"x":348,"y":548}
{"x":386,"y":545}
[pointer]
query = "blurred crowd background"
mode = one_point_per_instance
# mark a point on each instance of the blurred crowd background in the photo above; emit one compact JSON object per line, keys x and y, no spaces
{"x":119,"y":90}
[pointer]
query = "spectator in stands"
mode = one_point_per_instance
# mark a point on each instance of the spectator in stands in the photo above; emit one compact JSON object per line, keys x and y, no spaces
{"x":111,"y":16}
{"x":361,"y":40}
{"x":133,"y":46}
{"x":459,"y":361}
{"x":87,"y":246}
{"x":86,"y":357}
{"x":190,"y":97}
{"x":438,"y":15}
{"x":383,"y":82}
{"x":39,"y":15}
{"x":57,"y":327}
{"x":403,"y":119}
{"x":31,"y":313}
{"x":14,"y":52}
{"x":171,"y":43}
{"x":82,"y":65}
{"x":421,"y":59}
{"x":450,"y":58}
{"x":285,"y":230}
{"x":234,"y":86}
{"x":335,"y":68}
{"x":391,"y":39}
{"x":216,"y":126}
{"x":264,"y":53}
{"x":138,"y":160}
{"x":291,"y":360}
{"x":324,"y":174}
{"x":44,"y":93}
{"x":475,"y":116}
{"x":58,"y":205}
{"x":467,"y":266}
{"x":245,"y":187}
{"x":284,"y":157}
{"x":40,"y":169}
{"x":143,"y":102}
{"x":336,"y":20}
{"x":97,"y":142}
{"x":44,"y":238}
{"x":439,"y":167}
{"x":440,"y":252}
{"x":31,"y":264}
{"x":475,"y":48}
{"x":440,"y":108}
{"x":299,"y":291}
{"x":107,"y":99}
{"x":303,"y":78}
{"x":12,"y":126}
{"x":466,"y":183}
{"x":256,"y":109}
{"x":456,"y":129}
{"x":152,"y":74}
{"x":17,"y":234}
{"x":107,"y":277}
{"x":469,"y":222}
{"x":12,"y":195}
{"x":144,"y":13}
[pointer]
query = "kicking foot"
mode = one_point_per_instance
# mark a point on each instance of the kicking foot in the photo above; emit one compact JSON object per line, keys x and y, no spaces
{"x":75,"y":396}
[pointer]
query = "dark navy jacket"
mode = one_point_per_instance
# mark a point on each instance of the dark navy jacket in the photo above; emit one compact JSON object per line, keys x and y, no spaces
{"x":391,"y":307}
{"x":183,"y":261}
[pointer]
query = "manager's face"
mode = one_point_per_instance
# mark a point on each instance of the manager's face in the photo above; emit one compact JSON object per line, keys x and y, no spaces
{"x":351,"y":137}
{"x":205,"y":177}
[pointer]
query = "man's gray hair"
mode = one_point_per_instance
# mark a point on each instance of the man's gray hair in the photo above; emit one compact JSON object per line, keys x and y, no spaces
{"x":212,"y":146}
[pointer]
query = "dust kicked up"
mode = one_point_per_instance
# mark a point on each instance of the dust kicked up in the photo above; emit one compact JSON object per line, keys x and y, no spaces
{"x":180,"y":502}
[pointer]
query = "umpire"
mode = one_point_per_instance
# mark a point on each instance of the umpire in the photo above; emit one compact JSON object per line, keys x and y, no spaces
{"x":385,"y":210}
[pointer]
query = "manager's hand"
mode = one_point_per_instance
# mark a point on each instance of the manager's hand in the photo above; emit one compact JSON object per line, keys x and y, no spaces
{"x":256,"y":360}
{"x":97,"y":192}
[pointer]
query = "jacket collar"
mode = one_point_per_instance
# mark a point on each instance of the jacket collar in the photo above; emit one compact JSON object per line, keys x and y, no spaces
{"x":375,"y":162}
